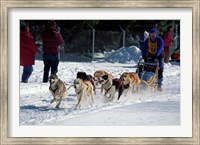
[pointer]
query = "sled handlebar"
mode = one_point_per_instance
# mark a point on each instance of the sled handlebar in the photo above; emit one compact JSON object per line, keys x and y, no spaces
{"x":148,"y":63}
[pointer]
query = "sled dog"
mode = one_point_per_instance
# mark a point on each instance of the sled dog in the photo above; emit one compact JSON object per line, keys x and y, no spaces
{"x":57,"y":89}
{"x":86,"y":77}
{"x":83,"y":89}
{"x":130,"y":79}
{"x":97,"y":77}
{"x":111,"y":86}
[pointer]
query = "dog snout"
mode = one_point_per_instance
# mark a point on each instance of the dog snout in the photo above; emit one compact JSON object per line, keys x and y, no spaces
{"x":51,"y":80}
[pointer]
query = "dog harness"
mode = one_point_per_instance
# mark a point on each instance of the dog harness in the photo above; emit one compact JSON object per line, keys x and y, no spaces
{"x":81,"y":90}
{"x":54,"y":89}
{"x":109,"y":87}
{"x":115,"y":82}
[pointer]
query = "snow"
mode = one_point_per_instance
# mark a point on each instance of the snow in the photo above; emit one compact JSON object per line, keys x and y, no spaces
{"x":138,"y":109}
{"x":125,"y":55}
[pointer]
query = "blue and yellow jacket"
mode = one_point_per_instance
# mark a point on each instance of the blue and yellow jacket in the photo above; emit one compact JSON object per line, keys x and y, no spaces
{"x":153,"y":47}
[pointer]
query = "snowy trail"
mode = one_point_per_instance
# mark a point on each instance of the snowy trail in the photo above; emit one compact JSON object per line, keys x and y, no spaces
{"x":35,"y":107}
{"x":136,"y":114}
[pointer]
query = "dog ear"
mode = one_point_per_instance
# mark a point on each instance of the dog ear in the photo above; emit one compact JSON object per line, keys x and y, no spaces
{"x":105,"y":77}
{"x":89,"y":77}
{"x":81,"y":75}
{"x":56,"y":76}
{"x":53,"y":76}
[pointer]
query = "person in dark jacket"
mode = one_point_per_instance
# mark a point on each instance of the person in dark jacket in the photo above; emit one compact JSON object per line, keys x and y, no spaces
{"x":153,"y":49}
{"x":51,"y":39}
{"x":28,"y":50}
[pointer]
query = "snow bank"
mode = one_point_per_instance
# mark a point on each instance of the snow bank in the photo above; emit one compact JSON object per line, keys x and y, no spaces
{"x":125,"y":55}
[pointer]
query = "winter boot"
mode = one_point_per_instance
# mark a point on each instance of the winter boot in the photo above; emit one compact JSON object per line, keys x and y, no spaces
{"x":159,"y":88}
{"x":24,"y":81}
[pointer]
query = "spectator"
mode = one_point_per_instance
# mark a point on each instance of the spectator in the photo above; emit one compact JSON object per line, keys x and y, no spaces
{"x":51,"y":39}
{"x":144,"y":37}
{"x":152,"y":49}
{"x":28,"y":50}
{"x":168,"y":41}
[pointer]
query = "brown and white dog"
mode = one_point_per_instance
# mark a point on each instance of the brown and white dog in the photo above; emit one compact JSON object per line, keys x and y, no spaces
{"x":97,"y":77}
{"x":57,"y":89}
{"x":83,"y":89}
{"x":130,"y":79}
{"x":86,"y":77}
{"x":111,"y":86}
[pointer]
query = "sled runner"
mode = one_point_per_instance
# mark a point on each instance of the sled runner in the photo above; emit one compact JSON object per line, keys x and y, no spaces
{"x":148,"y":72}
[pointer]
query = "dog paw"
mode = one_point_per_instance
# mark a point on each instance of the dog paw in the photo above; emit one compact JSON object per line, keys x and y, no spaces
{"x":78,"y":107}
{"x":75,"y":108}
{"x":52,"y":101}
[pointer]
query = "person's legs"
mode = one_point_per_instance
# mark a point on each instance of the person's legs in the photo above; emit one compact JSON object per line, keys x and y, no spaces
{"x":54,"y":63}
{"x":54,"y":67}
{"x":27,"y":71}
{"x":160,"y":72}
{"x":51,"y":61}
{"x":47,"y":65}
{"x":167,"y":54}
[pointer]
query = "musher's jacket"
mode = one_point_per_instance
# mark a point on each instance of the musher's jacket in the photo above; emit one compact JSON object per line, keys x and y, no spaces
{"x":153,"y":47}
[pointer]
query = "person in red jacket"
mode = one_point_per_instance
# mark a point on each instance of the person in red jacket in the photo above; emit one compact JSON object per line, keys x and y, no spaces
{"x":51,"y":39}
{"x":168,"y":40}
{"x":28,"y":50}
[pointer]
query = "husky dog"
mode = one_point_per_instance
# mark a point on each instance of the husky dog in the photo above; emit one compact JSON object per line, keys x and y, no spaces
{"x":97,"y":77}
{"x":83,"y":89}
{"x":111,"y":86}
{"x":130,"y":79}
{"x":57,"y":89}
{"x":86,"y":77}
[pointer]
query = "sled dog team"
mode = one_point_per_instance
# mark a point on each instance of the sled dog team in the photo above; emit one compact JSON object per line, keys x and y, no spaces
{"x":85,"y":85}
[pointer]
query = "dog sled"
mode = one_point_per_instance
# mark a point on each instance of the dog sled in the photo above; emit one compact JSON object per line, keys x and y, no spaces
{"x":148,"y":72}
